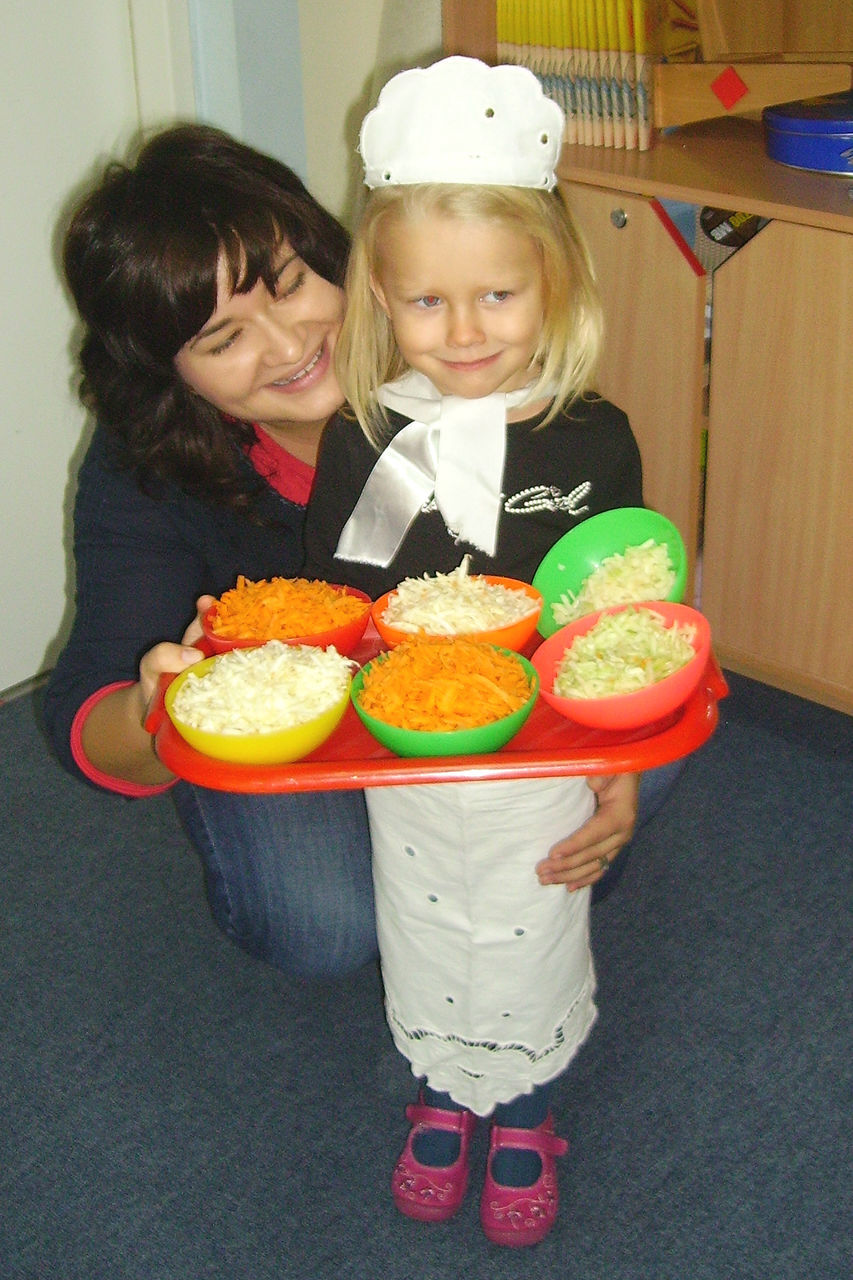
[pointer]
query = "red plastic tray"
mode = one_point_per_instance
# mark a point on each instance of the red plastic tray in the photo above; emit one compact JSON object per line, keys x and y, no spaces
{"x":547,"y":746}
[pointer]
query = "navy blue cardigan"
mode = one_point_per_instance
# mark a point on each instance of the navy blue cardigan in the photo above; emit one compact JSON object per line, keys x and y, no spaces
{"x":142,"y":561}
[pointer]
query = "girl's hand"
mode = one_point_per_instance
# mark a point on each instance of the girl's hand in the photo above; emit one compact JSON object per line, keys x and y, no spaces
{"x":583,"y":857}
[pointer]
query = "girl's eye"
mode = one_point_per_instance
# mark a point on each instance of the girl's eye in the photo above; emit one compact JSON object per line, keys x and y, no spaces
{"x":428,"y":300}
{"x":497,"y":295}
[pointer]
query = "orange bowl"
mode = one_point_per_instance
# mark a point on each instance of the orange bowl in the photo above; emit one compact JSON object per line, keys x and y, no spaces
{"x":344,"y":638}
{"x":623,"y":711}
{"x":514,"y":636}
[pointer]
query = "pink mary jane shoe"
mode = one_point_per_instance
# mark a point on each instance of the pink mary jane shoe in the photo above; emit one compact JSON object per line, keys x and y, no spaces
{"x":427,"y":1192}
{"x":518,"y":1216}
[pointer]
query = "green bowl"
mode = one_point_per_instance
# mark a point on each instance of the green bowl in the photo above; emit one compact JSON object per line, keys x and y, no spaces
{"x":580,"y":551}
{"x":483,"y":740}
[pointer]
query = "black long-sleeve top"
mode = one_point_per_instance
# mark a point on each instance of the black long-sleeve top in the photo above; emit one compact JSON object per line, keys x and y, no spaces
{"x":584,"y":462}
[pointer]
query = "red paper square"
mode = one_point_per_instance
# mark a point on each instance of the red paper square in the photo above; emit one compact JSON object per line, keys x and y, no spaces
{"x":729,"y":87}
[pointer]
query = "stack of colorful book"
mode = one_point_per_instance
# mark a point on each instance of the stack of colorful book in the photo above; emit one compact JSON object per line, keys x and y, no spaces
{"x":596,"y":58}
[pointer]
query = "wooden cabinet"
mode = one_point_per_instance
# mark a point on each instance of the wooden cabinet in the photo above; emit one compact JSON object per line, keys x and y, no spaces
{"x":659,"y":383}
{"x":778,"y":509}
{"x":775,"y":576}
{"x":777,"y":584}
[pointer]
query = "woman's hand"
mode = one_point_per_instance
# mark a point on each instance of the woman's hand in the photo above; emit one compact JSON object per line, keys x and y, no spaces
{"x":583,"y":857}
{"x":194,"y":631}
{"x":114,"y":737}
{"x":167,"y":658}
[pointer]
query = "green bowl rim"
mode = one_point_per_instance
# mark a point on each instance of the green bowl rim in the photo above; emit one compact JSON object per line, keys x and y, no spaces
{"x":422,"y":735}
{"x":543,"y":578}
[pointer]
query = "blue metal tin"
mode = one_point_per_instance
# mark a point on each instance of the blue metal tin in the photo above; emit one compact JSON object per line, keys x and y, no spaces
{"x":814,"y":133}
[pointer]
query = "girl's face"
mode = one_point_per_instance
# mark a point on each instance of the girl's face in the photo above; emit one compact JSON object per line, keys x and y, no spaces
{"x":267,"y":358}
{"x":465,"y":299}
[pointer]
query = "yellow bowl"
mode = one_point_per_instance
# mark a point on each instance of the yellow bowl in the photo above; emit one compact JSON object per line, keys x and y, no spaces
{"x":279,"y":746}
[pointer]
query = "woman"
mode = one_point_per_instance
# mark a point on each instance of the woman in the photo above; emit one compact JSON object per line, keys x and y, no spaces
{"x":209,"y":283}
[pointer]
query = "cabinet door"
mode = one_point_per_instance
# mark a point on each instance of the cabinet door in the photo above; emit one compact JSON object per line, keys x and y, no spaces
{"x":653,"y":357}
{"x":777,"y":585}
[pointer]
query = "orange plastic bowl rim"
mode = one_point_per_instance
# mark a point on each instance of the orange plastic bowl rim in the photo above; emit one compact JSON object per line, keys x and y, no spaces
{"x":514,"y":636}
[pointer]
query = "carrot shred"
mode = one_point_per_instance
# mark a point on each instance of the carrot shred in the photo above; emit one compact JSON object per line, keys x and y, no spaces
{"x":443,"y":683}
{"x":283,"y":609}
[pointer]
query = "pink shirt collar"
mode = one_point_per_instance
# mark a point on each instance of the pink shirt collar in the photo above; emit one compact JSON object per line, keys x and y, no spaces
{"x":288,"y":475}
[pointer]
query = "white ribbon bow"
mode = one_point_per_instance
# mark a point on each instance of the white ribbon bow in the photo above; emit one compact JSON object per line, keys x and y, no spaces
{"x":454,"y":449}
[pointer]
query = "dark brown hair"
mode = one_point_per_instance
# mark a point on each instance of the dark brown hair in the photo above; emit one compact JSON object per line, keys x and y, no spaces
{"x":141,"y":255}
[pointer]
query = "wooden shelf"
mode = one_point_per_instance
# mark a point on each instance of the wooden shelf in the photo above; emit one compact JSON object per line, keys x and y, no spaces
{"x":721,"y":163}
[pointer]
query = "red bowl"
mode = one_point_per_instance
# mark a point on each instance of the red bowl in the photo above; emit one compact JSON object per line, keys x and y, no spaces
{"x":345,"y":638}
{"x":514,"y":636}
{"x":623,"y":711}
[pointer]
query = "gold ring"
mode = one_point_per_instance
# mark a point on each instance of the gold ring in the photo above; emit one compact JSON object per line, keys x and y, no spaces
{"x":604,"y":863}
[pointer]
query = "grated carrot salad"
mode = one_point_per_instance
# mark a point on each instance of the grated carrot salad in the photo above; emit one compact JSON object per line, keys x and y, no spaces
{"x":282,"y":609}
{"x":440,"y":683}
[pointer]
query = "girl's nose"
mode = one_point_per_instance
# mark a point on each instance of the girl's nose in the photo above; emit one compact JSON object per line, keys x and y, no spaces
{"x":464,"y":329}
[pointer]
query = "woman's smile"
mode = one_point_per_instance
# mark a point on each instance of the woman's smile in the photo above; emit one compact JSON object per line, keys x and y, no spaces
{"x":269,"y":358}
{"x":313,"y":371}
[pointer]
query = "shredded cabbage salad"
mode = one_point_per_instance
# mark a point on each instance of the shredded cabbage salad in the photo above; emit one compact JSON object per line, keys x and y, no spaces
{"x":643,"y":572}
{"x":623,"y":652}
{"x":455,"y":604}
{"x":276,"y":686}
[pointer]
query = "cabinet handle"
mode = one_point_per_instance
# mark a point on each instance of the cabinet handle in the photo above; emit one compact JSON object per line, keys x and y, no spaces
{"x":619,"y":218}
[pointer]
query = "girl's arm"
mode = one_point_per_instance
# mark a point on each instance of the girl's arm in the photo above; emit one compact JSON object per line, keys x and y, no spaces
{"x":576,"y":861}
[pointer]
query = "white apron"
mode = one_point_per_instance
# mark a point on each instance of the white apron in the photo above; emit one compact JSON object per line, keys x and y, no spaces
{"x":488,"y":974}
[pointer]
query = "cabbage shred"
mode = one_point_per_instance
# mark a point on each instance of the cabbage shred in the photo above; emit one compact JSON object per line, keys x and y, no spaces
{"x":623,"y":652}
{"x":275,"y":686}
{"x":642,"y":572}
{"x":455,"y":604}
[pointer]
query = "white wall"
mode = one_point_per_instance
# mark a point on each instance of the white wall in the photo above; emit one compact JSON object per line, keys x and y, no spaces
{"x":248,"y":73}
{"x":78,"y":78}
{"x":349,"y":48}
{"x":72,"y":91}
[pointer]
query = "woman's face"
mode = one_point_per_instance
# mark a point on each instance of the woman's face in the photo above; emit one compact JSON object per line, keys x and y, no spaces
{"x":267,"y":358}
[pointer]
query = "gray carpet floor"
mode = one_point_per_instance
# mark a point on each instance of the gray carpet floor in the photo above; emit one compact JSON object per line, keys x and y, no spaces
{"x":173,"y":1110}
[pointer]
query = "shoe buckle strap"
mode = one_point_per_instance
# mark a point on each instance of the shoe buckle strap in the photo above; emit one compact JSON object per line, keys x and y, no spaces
{"x":419,"y":1113}
{"x":540,"y":1140}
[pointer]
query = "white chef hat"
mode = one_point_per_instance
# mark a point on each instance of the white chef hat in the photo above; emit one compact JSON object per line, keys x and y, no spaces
{"x":461,"y":121}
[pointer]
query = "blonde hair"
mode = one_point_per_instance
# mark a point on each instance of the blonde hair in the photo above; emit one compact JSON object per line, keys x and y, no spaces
{"x":367,"y":354}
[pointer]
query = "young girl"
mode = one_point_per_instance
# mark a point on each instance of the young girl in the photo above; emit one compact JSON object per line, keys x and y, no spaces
{"x":471,"y":332}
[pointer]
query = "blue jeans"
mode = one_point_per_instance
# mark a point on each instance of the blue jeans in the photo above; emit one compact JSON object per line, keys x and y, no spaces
{"x":288,"y":877}
{"x":655,"y":786}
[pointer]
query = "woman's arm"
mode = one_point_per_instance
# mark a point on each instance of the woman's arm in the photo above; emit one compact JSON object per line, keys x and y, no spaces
{"x":142,"y":563}
{"x":113,"y":736}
